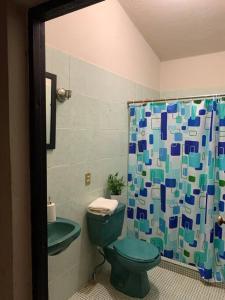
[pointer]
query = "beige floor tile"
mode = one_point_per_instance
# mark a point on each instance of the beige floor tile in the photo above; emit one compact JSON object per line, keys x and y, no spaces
{"x":165,"y":285}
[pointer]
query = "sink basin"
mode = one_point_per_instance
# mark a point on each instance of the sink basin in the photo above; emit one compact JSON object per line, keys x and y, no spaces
{"x":61,"y":234}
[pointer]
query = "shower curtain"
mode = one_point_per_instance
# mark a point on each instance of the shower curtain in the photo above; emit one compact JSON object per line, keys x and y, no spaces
{"x":176,"y":181}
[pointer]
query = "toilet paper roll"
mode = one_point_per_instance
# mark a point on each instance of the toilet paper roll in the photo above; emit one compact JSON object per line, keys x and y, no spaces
{"x":51,"y":212}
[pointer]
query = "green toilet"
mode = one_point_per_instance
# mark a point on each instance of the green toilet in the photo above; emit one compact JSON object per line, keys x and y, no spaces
{"x":130,"y":258}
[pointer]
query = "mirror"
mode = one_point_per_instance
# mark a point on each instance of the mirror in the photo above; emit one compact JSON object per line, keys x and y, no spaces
{"x":50,"y":87}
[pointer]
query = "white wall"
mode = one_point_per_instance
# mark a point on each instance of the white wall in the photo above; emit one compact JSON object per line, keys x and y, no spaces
{"x":104,"y":35}
{"x":91,"y":136}
{"x":99,"y":54}
{"x":204,"y":74}
{"x":19,"y":151}
{"x":15,"y":250}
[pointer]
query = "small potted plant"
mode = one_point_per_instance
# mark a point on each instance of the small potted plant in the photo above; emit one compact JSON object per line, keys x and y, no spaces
{"x":115,"y":185}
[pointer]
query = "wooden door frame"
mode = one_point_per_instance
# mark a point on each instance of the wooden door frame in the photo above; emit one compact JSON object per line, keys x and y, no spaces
{"x":38,"y":168}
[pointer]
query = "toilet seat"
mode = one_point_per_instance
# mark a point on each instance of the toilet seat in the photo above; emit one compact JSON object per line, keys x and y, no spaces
{"x":136,"y":250}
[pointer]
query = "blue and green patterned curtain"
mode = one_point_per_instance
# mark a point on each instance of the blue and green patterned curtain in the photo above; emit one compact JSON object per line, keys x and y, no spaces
{"x":176,"y":181}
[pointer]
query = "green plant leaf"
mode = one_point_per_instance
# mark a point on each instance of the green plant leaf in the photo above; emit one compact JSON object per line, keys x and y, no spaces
{"x":115,"y":184}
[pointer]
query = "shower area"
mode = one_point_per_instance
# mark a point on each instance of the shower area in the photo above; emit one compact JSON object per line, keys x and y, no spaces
{"x":176,"y":180}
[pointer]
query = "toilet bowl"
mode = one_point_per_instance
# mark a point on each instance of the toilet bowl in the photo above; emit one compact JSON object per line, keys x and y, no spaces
{"x":130,"y":258}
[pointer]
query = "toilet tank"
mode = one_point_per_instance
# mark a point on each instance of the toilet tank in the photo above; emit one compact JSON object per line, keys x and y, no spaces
{"x":103,"y":230}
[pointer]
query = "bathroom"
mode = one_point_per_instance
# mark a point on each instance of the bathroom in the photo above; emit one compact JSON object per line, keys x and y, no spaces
{"x":137,"y":88}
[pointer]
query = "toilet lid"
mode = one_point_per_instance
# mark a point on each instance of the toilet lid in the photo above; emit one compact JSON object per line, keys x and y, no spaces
{"x":136,"y":250}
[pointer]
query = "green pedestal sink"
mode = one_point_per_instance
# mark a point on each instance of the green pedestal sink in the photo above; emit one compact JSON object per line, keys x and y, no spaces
{"x":61,"y":234}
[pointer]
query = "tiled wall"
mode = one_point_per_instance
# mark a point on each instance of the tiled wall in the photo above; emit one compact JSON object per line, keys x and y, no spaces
{"x":91,"y":136}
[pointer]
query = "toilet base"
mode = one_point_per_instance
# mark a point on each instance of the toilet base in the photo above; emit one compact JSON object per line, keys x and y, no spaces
{"x":132,"y":284}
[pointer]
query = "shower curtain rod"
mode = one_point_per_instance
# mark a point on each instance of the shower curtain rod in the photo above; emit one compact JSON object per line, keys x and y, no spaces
{"x":190,"y":98}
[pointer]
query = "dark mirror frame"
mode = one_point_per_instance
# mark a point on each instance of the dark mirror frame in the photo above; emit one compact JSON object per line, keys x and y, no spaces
{"x":53,"y":79}
{"x":38,"y":164}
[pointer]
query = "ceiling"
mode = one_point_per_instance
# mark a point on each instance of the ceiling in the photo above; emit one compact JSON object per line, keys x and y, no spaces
{"x":179,"y":28}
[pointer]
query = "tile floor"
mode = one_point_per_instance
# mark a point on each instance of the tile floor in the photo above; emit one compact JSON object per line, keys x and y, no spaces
{"x":165,"y":284}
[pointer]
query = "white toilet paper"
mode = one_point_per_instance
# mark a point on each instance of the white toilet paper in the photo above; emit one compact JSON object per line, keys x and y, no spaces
{"x":51,"y":212}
